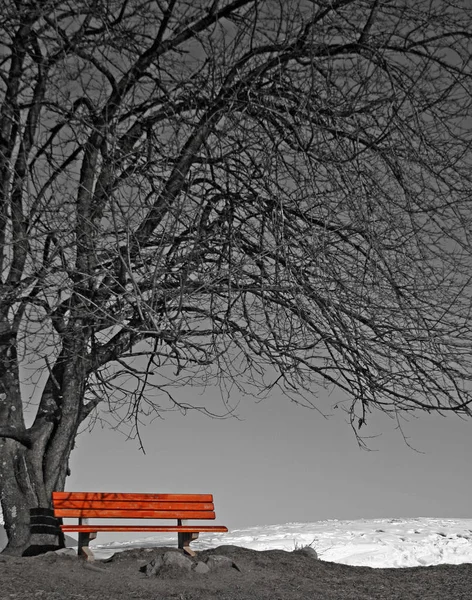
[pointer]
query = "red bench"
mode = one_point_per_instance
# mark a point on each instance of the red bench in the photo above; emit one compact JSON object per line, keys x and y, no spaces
{"x":107,"y":505}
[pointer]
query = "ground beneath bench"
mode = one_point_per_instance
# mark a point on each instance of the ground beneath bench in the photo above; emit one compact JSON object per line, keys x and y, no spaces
{"x":266,"y":575}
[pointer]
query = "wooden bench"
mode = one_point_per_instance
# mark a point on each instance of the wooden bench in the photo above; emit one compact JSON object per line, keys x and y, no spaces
{"x":106,"y":505}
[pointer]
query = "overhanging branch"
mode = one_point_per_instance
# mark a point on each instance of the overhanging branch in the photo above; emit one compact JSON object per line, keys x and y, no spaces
{"x":23,"y":437}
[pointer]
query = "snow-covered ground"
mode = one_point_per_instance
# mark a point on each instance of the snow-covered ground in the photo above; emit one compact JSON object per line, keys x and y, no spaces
{"x":369,"y":542}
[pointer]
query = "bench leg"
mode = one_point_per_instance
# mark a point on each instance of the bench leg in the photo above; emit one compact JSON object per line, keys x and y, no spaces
{"x":184,"y":542}
{"x":83,"y":550}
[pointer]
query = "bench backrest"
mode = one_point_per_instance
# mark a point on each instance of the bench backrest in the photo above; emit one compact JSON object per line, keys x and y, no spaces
{"x":133,"y":506}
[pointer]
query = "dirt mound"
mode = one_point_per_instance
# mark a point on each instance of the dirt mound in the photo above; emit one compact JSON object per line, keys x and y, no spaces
{"x":267,"y":575}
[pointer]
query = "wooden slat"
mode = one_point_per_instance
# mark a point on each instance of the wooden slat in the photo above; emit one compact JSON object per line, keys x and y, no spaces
{"x":162,"y":528}
{"x":131,"y":506}
{"x":135,"y":514}
{"x":125,"y":497}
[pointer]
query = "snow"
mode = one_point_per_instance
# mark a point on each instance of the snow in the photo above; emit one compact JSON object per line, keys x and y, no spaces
{"x":408,"y":542}
{"x":366,"y":542}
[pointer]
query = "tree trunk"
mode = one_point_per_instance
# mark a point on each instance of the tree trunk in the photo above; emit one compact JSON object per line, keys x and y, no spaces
{"x":17,"y":495}
{"x":34,"y":461}
{"x":22,"y":490}
{"x":32,"y":470}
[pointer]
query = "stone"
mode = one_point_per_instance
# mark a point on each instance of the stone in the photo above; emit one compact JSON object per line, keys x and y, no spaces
{"x":152,"y":568}
{"x":175,"y":559}
{"x":169,"y":561}
{"x":173,"y":563}
{"x":201,"y":567}
{"x":217,"y":561}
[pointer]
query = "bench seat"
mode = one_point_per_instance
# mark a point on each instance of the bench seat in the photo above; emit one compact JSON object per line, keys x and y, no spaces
{"x":161,"y":528}
{"x":109,"y":505}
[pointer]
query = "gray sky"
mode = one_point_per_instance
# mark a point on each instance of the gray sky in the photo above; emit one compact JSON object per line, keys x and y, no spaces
{"x":283,"y":463}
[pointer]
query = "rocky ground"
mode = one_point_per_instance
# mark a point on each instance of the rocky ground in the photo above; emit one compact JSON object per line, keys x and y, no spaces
{"x":243,"y":575}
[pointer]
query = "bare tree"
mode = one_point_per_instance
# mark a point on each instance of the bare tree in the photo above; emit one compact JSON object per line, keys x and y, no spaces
{"x":265,"y":192}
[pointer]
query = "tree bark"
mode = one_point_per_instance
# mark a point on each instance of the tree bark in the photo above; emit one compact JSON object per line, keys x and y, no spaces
{"x":30,"y":473}
{"x":17,"y":494}
{"x":23,"y":489}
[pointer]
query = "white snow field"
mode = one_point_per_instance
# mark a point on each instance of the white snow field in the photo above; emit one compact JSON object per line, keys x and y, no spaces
{"x":367,"y":542}
{"x":403,"y":542}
